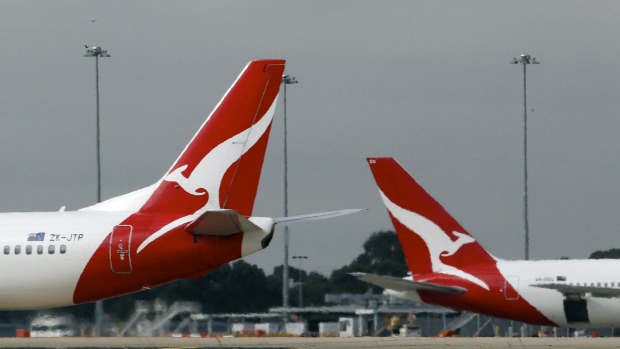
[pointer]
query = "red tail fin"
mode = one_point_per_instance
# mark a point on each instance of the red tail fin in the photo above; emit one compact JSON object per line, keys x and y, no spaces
{"x":220,"y":167}
{"x":431,"y":239}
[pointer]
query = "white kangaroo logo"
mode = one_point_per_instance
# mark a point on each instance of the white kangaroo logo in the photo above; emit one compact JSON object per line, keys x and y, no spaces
{"x":207,"y":175}
{"x":437,"y":241}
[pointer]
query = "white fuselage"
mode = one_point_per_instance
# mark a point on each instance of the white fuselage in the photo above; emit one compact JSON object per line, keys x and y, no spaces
{"x":41,"y":278}
{"x":44,"y":255}
{"x":597,"y":273}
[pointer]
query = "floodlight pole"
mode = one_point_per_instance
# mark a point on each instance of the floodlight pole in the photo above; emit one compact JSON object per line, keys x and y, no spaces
{"x":301,"y":287}
{"x":525,"y":60}
{"x":96,"y":52}
{"x":286,"y":80}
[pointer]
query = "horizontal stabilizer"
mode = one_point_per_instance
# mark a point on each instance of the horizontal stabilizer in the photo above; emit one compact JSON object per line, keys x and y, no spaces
{"x":594,"y":291}
{"x":403,"y":285}
{"x":220,"y":222}
{"x":314,"y":216}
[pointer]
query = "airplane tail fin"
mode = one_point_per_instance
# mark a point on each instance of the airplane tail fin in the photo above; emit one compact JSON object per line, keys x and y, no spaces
{"x":220,"y":167}
{"x":432,"y":240}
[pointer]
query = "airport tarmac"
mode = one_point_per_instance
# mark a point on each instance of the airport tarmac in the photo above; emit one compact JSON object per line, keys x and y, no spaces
{"x":314,"y":343}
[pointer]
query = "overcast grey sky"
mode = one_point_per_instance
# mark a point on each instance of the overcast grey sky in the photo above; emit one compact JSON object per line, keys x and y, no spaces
{"x":428,"y":82}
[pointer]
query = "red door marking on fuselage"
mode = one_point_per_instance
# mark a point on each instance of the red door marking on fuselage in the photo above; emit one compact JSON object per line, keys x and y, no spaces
{"x":120,"y":249}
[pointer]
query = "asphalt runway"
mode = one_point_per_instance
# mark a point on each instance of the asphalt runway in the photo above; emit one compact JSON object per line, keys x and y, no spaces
{"x":314,"y":343}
